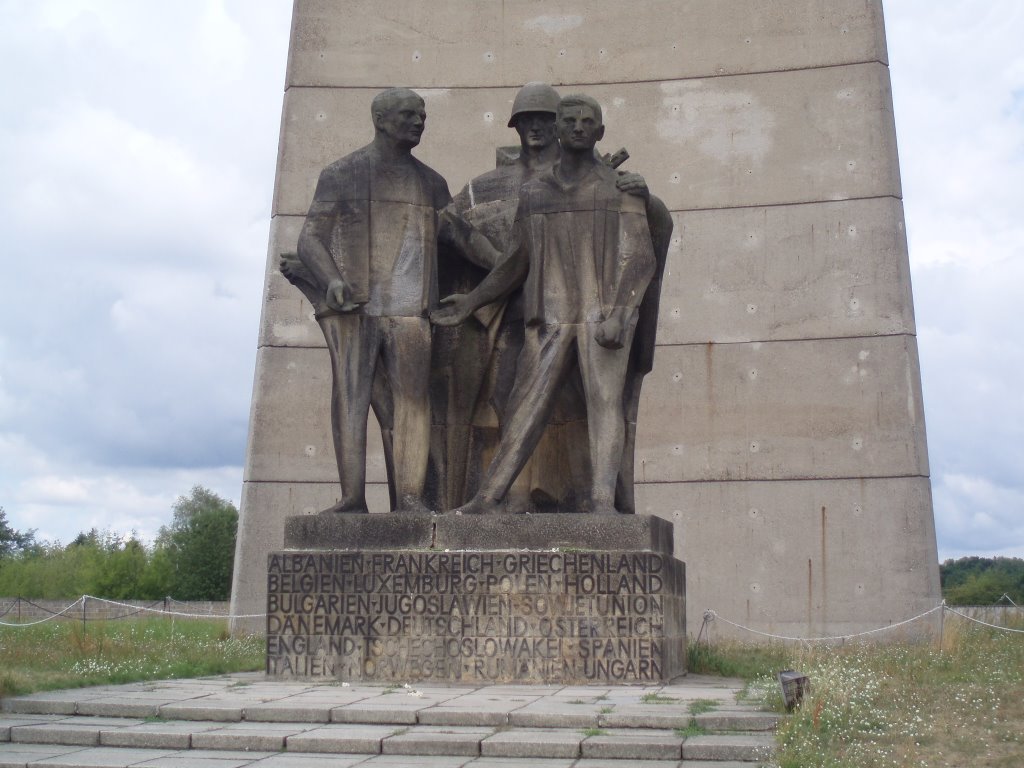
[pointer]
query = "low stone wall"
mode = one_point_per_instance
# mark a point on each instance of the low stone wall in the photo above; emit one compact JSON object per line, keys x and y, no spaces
{"x":14,"y":610}
{"x":1000,"y":615}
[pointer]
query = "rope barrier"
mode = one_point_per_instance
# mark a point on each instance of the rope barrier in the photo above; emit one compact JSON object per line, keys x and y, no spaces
{"x":179,"y":602}
{"x":715,"y":615}
{"x":55,"y":615}
{"x":135,"y":610}
{"x":42,"y":608}
{"x":182,"y":614}
{"x":983,"y":623}
{"x":709,"y":616}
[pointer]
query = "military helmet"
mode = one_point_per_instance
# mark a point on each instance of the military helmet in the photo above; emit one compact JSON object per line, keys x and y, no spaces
{"x":534,"y":97}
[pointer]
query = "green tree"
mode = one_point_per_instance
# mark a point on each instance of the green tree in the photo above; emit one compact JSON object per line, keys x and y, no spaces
{"x":11,"y":541}
{"x":198,"y":549}
{"x":982,"y":580}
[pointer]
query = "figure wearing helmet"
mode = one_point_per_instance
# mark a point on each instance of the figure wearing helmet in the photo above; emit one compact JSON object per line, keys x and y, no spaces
{"x":474,"y":365}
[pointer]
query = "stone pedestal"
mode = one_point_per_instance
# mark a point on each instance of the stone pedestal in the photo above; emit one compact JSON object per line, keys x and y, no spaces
{"x":559,"y":598}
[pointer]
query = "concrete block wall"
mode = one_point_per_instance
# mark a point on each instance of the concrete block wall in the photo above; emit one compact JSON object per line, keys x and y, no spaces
{"x":782,"y":429}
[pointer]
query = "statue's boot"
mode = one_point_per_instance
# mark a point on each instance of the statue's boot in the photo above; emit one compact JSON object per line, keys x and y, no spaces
{"x":348,"y":506}
{"x":481,"y":505}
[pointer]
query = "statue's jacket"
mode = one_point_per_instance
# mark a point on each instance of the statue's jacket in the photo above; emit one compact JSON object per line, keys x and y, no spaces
{"x":589,"y":248}
{"x":384,"y":232}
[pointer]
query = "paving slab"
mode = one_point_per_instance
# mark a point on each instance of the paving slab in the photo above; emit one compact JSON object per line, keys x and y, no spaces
{"x":267,"y":737}
{"x":379,"y":713}
{"x":203,"y":709}
{"x":347,"y":738}
{"x":623,"y":745}
{"x":103,"y":757}
{"x":171,"y":735}
{"x":287,"y":713}
{"x":493,"y":716}
{"x":56,"y":733}
{"x":194,"y":758}
{"x":186,"y":760}
{"x":650,"y":716}
{"x":425,"y":740}
{"x":118,"y":707}
{"x":11,"y":721}
{"x":17,"y":755}
{"x":738,"y":721}
{"x":402,"y":761}
{"x":750,"y":747}
{"x":512,"y":689}
{"x":556,"y":714}
{"x":512,"y":762}
{"x":40,"y":705}
{"x":287,"y":760}
{"x":589,"y":762}
{"x":533,"y":742}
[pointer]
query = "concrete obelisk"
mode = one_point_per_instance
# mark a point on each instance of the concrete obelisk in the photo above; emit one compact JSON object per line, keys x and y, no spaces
{"x":782,"y":430}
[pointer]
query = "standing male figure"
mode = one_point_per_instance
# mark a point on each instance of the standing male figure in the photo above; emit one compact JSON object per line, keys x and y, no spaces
{"x":481,"y":358}
{"x":369,"y":243}
{"x":582,"y":251}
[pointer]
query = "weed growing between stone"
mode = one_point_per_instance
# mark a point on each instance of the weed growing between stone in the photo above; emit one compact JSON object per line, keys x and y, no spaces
{"x":67,"y":655}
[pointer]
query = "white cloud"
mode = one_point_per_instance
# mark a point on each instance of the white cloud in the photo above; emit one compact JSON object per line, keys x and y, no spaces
{"x":138,"y":149}
{"x":958,"y":86}
{"x":975,"y":516}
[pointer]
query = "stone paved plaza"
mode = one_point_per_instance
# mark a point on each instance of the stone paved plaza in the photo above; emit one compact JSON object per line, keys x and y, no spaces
{"x":243,"y":719}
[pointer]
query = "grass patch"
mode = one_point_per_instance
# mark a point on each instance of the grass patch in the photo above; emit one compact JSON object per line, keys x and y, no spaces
{"x":893,"y":705}
{"x":594,"y":732}
{"x":67,"y":655}
{"x":700,"y":706}
{"x":733,"y":659}
{"x":691,"y":730}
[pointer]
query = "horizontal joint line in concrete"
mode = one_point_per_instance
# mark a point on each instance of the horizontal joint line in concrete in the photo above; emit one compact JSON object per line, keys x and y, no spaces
{"x":709,"y":76}
{"x":788,"y":204}
{"x":768,"y":479}
{"x":292,"y":346}
{"x":788,"y":341}
{"x":678,"y":344}
{"x":782,"y":205}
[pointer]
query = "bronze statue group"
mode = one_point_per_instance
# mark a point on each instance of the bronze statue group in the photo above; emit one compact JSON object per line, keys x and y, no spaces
{"x":500,"y":337}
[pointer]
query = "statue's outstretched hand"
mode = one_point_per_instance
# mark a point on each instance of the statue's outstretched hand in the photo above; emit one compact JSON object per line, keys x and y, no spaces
{"x":339,"y":296}
{"x":610,"y":331}
{"x":633,"y":184}
{"x":294,"y":269}
{"x":456,"y":311}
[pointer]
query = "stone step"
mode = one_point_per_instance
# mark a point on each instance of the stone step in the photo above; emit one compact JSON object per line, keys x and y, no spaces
{"x":25,"y":755}
{"x":236,"y":699}
{"x":31,"y":734}
{"x":227,"y":721}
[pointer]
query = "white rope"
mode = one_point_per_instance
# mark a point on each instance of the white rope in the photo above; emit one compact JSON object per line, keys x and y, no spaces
{"x":715,"y":615}
{"x":51,"y":617}
{"x":984,"y":623}
{"x":137,"y":609}
{"x":162,"y":612}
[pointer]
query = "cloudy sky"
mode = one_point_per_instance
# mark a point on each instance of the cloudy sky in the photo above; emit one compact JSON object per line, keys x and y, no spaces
{"x":137,"y":149}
